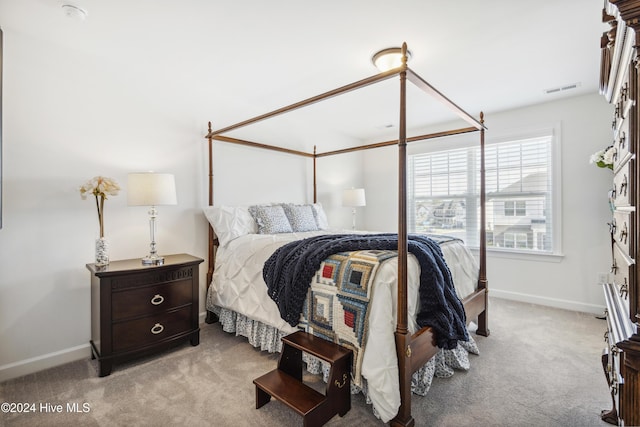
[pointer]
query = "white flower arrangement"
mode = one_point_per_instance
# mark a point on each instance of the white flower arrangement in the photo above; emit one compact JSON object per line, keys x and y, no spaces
{"x":604,"y":158}
{"x":100,"y":186}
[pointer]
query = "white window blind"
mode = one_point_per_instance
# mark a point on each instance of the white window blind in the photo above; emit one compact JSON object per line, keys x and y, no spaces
{"x":444,"y":194}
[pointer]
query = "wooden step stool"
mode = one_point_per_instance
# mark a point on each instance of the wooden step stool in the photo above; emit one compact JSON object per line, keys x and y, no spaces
{"x":285,"y":382}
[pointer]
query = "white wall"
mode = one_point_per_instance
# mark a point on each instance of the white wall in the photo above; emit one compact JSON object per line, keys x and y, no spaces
{"x":69,"y":117}
{"x":246,"y":175}
{"x":570,"y":281}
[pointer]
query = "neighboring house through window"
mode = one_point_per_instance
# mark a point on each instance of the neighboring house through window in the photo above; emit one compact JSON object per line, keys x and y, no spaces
{"x":521,"y":192}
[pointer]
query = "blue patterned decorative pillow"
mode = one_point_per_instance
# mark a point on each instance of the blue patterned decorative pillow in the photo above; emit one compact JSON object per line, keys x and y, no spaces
{"x":301,"y":217}
{"x":270,"y":219}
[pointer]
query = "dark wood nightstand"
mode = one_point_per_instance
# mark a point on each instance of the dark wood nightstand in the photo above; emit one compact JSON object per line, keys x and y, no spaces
{"x":141,"y":309}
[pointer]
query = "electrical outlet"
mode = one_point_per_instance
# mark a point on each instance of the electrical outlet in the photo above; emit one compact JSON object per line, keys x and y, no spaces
{"x":603,"y":277}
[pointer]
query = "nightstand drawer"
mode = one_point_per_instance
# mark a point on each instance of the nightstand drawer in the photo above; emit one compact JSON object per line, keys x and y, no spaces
{"x":150,"y":299}
{"x":149,"y":330}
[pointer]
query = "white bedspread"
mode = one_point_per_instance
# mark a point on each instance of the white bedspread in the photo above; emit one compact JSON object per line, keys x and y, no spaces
{"x":238,"y":285}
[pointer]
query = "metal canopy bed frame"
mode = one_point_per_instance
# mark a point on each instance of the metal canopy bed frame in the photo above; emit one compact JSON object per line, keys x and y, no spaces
{"x":413,"y":350}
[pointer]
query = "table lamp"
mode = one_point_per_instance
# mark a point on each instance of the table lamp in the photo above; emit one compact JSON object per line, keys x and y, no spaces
{"x":151,"y":189}
{"x":353,"y":197}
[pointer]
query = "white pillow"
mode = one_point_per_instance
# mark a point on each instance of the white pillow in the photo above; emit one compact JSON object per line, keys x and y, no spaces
{"x":230,"y":222}
{"x":321,"y":217}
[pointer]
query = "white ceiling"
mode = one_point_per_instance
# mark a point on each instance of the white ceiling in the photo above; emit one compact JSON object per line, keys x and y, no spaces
{"x":229,"y":60}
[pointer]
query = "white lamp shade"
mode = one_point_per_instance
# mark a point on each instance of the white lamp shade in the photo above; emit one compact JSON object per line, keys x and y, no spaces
{"x":151,"y":189}
{"x":353,"y":197}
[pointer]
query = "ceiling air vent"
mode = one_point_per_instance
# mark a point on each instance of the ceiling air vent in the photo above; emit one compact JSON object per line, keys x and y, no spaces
{"x":562,"y":88}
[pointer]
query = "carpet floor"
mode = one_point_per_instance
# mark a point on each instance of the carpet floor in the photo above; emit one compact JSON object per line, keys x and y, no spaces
{"x":539,"y":367}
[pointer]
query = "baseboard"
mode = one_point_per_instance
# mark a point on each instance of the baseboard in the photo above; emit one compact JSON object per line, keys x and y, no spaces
{"x":50,"y":360}
{"x":46,"y":361}
{"x":549,"y":302}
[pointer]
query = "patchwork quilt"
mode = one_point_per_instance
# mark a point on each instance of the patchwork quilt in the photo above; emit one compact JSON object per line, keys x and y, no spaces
{"x":289,"y":270}
{"x":336,"y":306}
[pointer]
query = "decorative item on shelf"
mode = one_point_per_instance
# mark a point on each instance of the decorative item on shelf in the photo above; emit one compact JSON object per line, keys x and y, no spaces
{"x":604,"y":158}
{"x":100,"y":187}
{"x":151,"y":189}
{"x":353,"y":198}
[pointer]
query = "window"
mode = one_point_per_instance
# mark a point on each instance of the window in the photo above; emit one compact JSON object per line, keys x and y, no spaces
{"x":516,"y":240}
{"x":444,"y":194}
{"x":515,"y":208}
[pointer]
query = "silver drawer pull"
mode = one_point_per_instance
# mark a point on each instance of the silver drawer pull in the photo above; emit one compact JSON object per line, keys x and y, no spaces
{"x":624,"y":289}
{"x":157,"y":299}
{"x":623,"y":186}
{"x":624,"y":233}
{"x":157,"y":328}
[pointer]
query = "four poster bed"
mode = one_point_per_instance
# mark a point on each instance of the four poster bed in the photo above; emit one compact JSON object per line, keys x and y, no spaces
{"x":412,"y":344}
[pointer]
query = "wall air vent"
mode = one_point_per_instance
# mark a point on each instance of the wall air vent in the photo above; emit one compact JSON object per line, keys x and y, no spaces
{"x":562,"y":88}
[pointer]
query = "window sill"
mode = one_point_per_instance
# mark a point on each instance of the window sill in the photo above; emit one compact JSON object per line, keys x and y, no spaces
{"x":523,"y":256}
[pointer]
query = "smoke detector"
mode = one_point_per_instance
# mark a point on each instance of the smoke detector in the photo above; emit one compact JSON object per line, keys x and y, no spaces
{"x":74,"y":12}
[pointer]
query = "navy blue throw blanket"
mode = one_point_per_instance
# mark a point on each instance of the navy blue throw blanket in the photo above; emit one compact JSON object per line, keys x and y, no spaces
{"x":288,"y":273}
